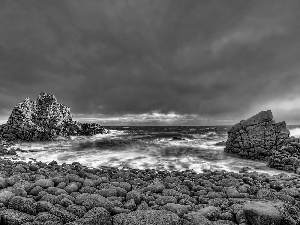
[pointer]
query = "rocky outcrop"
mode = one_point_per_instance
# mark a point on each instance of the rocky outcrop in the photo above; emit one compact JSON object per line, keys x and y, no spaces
{"x":43,"y":120}
{"x":259,"y":137}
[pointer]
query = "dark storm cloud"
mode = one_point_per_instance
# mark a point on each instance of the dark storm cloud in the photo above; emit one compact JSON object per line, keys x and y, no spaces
{"x":214,"y":59}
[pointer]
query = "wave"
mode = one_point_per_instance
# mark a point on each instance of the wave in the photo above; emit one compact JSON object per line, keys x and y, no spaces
{"x":295,"y":132}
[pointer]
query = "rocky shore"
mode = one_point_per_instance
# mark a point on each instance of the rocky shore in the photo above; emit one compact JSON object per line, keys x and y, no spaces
{"x":36,"y":193}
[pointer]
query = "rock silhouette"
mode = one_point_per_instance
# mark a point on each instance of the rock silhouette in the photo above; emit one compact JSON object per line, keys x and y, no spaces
{"x":43,"y":120}
{"x":259,"y":137}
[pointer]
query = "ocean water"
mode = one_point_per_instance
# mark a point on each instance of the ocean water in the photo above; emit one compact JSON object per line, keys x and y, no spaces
{"x":148,"y":147}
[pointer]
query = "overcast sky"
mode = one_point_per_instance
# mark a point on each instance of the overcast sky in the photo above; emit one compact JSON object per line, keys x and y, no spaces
{"x":196,"y":62}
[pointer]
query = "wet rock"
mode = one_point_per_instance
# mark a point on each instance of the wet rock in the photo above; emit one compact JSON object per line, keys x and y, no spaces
{"x":154,"y":217}
{"x":221,"y":143}
{"x":177,"y":139}
{"x":261,"y":213}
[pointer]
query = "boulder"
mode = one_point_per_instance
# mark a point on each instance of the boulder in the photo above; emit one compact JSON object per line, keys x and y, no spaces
{"x":43,"y":120}
{"x":262,"y":213}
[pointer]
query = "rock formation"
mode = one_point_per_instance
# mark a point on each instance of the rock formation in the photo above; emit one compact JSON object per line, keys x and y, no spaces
{"x":44,"y":119}
{"x":259,"y":137}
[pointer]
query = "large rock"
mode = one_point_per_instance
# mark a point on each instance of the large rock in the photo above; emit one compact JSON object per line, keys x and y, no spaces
{"x":257,"y":137}
{"x":43,"y":120}
{"x":262,"y":213}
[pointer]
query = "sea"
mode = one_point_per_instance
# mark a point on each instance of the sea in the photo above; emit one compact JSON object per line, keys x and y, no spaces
{"x":141,"y":147}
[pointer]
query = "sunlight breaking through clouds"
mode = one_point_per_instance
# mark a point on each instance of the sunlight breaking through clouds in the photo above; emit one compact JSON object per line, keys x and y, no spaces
{"x":153,"y":118}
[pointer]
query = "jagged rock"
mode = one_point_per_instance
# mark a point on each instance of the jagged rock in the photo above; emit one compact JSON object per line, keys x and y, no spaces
{"x":43,"y":120}
{"x":257,"y":137}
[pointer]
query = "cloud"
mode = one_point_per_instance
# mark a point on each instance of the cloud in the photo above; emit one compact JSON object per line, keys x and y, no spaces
{"x":209,"y":60}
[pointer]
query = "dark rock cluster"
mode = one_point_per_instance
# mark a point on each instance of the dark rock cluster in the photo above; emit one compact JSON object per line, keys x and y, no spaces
{"x":37,"y":193}
{"x":259,"y":137}
{"x":43,"y":120}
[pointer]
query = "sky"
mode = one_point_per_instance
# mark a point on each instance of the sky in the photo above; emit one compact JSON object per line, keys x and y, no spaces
{"x":153,"y":62}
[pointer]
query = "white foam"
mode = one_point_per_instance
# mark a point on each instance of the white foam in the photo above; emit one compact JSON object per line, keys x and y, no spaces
{"x":295,"y":132}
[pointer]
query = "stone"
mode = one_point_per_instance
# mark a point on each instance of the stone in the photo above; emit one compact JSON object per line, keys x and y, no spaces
{"x":180,"y":210}
{"x":194,"y":218}
{"x":5,"y":196}
{"x":95,"y":216}
{"x":26,"y":205}
{"x":3,"y":183}
{"x":71,"y":188}
{"x":262,"y":213}
{"x":147,"y":217}
{"x":44,"y":217}
{"x":135,"y":195}
{"x":76,"y":210}
{"x":90,"y":201}
{"x":162,"y":200}
{"x":63,"y":214}
{"x":210,"y":212}
{"x":44,"y":183}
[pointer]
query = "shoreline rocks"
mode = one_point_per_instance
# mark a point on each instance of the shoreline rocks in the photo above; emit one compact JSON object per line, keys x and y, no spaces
{"x":44,"y":120}
{"x":40,"y":193}
{"x":260,"y":138}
